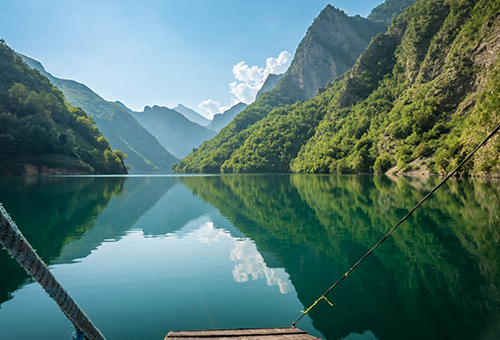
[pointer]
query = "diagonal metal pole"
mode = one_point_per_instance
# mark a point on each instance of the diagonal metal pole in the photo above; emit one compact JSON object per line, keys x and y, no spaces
{"x":19,"y":248}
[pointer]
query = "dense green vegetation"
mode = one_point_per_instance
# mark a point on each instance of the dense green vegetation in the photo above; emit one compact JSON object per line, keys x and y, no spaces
{"x":209,"y":157}
{"x":39,"y":129}
{"x":389,"y":10}
{"x":145,"y":153}
{"x":419,"y":98}
{"x":432,"y":105}
{"x":440,"y":268}
{"x":333,"y":38}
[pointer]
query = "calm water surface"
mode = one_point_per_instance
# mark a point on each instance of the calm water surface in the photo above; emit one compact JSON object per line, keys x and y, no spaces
{"x":146,"y":255}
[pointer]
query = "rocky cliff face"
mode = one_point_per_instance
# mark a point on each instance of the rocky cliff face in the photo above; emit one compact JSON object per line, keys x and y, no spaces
{"x":270,"y":83}
{"x":330,"y":48}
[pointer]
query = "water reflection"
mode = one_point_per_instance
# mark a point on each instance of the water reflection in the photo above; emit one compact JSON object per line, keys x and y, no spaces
{"x":436,"y":278}
{"x":205,"y":246}
{"x":251,"y":265}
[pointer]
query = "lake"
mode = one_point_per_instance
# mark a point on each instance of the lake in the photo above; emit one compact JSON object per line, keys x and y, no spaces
{"x":146,"y":255}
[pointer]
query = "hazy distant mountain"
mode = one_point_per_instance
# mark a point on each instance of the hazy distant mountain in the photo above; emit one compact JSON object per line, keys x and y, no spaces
{"x":175,"y":132}
{"x":119,"y":127}
{"x":192,"y":115}
{"x":220,"y":120}
{"x":40,"y":133}
{"x":270,"y":83}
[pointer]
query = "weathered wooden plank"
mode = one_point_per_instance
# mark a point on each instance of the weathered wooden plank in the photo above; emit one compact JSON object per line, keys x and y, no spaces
{"x":284,"y":333}
{"x":259,"y":337}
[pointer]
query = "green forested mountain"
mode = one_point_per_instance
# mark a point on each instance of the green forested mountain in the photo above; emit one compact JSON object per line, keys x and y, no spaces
{"x":419,"y":98}
{"x":41,"y":133}
{"x":145,"y":153}
{"x":330,"y":47}
{"x":221,"y":120}
{"x":391,"y":9}
{"x":175,"y":132}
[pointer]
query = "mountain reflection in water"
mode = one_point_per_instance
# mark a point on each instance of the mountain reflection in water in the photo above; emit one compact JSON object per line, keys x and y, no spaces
{"x":258,"y":248}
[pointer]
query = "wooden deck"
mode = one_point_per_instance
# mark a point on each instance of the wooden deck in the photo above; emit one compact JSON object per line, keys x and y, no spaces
{"x":288,"y":333}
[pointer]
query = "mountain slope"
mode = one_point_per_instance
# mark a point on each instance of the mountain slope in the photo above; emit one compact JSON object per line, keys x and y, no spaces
{"x":221,"y":120}
{"x":389,"y":10}
{"x":330,"y":47}
{"x":192,"y":115}
{"x":175,"y":132}
{"x":270,"y":83}
{"x":419,"y":98}
{"x":144,"y":152}
{"x":40,"y":133}
{"x":431,"y":108}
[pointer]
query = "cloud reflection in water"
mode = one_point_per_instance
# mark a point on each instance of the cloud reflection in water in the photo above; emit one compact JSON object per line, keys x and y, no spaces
{"x":249,"y":262}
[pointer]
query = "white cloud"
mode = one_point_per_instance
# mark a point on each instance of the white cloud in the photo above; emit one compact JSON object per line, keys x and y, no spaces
{"x":209,"y":234}
{"x":279,"y":65}
{"x":212,"y":107}
{"x":244,"y":92}
{"x":244,"y":73}
{"x":249,"y":80}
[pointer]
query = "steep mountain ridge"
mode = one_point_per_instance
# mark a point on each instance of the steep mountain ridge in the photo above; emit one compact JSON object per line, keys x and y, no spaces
{"x":419,"y":98}
{"x":270,"y":83}
{"x":221,"y":120}
{"x":175,"y":132}
{"x":434,"y":104}
{"x":331,"y":46}
{"x":192,"y":115}
{"x":145,"y":154}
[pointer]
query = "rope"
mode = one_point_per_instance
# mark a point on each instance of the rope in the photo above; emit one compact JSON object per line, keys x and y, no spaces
{"x":19,"y":248}
{"x":399,"y":223}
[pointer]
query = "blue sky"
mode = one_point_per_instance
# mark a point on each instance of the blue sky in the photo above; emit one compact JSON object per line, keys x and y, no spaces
{"x":164,"y":52}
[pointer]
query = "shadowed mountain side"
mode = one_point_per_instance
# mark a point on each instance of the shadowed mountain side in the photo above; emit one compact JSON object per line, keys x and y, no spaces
{"x":220,"y":120}
{"x":175,"y":132}
{"x":270,"y":83}
{"x":121,"y":129}
{"x":55,"y":212}
{"x":436,"y":270}
{"x":141,"y":194}
{"x":192,"y":115}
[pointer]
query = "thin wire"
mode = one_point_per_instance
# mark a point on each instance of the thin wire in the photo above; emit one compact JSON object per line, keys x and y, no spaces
{"x":402,"y":220}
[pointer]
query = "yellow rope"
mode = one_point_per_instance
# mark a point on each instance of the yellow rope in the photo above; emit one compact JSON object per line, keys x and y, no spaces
{"x":314,"y":304}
